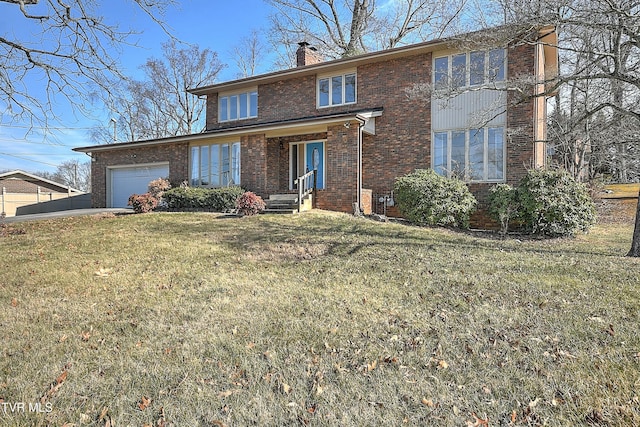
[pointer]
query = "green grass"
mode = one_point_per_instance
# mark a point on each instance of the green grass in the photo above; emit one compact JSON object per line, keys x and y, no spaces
{"x":317,"y":319}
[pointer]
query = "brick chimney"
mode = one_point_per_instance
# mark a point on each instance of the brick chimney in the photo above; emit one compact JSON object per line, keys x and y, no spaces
{"x":307,"y":55}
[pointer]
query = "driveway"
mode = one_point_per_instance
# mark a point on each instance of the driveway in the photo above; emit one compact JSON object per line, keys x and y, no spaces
{"x":62,"y":214}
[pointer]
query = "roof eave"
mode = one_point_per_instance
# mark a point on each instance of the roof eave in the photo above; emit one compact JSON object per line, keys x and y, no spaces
{"x":320,"y":67}
{"x":239,"y":131}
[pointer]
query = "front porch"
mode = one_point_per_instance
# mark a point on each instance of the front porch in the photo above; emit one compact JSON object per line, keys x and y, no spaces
{"x":278,"y":165}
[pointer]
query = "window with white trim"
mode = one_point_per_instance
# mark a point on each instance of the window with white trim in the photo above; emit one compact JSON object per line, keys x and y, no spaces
{"x":471,"y":154}
{"x":215,"y":165}
{"x":469,"y":69}
{"x":238,"y":106}
{"x":337,"y":90}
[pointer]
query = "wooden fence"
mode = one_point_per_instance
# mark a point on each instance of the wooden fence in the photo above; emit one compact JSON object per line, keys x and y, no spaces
{"x":10,"y":202}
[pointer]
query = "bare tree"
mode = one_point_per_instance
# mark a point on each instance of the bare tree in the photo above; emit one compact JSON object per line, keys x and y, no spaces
{"x":604,"y":34}
{"x":160,"y":105}
{"x":248,"y":54}
{"x":349,"y":27}
{"x":71,"y":48}
{"x":75,"y":174}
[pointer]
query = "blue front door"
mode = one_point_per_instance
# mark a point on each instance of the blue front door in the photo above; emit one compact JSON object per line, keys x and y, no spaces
{"x":315,"y":161}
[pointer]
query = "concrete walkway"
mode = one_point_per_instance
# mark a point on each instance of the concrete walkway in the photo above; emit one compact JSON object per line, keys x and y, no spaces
{"x":62,"y":214}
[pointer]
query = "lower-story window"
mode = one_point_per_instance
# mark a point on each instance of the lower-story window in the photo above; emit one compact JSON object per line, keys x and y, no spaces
{"x":471,"y":154}
{"x":215,"y":165}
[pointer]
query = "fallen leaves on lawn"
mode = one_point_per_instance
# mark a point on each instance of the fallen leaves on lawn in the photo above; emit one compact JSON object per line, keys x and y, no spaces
{"x":528,"y":417}
{"x":161,"y":422}
{"x":610,"y":331}
{"x":144,"y":403}
{"x":55,"y":386}
{"x":390,"y":359}
{"x":104,"y":417}
{"x":477,"y":421}
{"x":6,"y":230}
{"x":427,"y":402}
{"x":14,"y":302}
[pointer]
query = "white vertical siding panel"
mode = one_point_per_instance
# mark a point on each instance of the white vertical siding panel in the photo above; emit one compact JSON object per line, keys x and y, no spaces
{"x":479,"y":108}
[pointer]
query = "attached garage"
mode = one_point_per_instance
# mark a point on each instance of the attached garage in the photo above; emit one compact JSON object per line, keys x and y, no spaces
{"x":123,"y":181}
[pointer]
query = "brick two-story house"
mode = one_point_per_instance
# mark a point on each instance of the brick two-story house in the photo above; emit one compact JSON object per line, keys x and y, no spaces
{"x":353,"y":121}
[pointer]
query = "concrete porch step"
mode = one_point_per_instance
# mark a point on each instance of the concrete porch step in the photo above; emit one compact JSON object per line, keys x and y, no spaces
{"x":285,"y":204}
{"x":278,"y":211}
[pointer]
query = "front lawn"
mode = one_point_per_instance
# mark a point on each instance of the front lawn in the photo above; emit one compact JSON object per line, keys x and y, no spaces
{"x":313,"y":319}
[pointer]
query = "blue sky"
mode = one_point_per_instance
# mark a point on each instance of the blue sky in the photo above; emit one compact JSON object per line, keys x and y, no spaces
{"x":214,"y":24}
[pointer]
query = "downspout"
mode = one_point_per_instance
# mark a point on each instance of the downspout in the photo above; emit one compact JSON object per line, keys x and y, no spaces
{"x":361,"y":124}
{"x":539,"y":128}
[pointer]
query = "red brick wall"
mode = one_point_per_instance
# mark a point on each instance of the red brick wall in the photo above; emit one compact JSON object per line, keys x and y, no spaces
{"x":177,"y":155}
{"x":253,"y":164}
{"x":285,"y":99}
{"x":341,"y":183}
{"x":403,"y":132}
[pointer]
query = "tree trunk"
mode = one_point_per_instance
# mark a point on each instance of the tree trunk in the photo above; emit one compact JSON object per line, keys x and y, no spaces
{"x":635,"y":243}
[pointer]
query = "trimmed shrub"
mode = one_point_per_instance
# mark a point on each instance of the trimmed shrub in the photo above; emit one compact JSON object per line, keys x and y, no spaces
{"x":211,"y":199}
{"x":250,"y":204}
{"x":426,"y":198}
{"x":552,"y":203}
{"x":142,"y":203}
{"x":503,"y":205}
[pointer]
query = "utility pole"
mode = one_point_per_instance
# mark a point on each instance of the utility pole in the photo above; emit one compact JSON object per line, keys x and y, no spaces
{"x":75,"y":174}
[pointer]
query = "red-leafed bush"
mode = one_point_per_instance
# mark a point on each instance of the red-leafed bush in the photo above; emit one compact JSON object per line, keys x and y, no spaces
{"x":142,"y":203}
{"x":250,"y":204}
{"x":157,"y":187}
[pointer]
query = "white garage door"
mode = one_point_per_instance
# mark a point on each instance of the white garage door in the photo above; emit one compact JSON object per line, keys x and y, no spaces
{"x":133,"y":180}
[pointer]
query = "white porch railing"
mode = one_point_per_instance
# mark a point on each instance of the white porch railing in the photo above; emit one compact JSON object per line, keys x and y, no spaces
{"x":306,"y":185}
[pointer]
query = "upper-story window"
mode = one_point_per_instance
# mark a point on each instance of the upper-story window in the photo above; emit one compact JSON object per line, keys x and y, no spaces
{"x":337,"y":90}
{"x":238,"y":106}
{"x":469,"y":69}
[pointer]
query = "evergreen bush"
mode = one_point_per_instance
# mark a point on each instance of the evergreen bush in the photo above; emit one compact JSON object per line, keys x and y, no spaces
{"x":552,"y":203}
{"x":503,"y":205}
{"x":196,"y":198}
{"x":426,"y":198}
